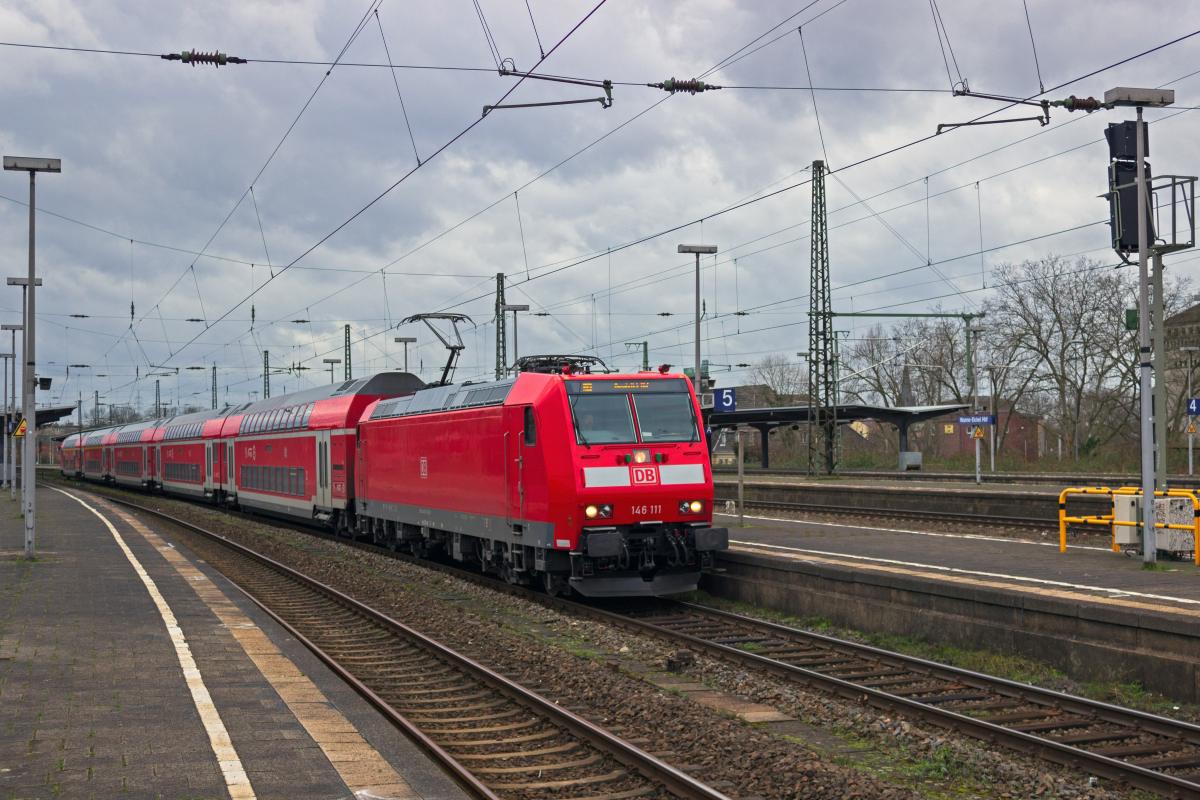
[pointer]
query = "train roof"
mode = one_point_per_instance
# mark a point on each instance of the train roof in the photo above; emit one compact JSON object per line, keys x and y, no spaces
{"x":381,"y":383}
{"x":493,"y":393}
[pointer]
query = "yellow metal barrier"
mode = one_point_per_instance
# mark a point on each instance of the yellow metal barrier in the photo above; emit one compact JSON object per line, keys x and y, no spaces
{"x":1111,"y":521}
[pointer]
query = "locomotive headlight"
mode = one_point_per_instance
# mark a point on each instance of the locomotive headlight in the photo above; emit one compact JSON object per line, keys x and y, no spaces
{"x":602,"y":511}
{"x":641,"y":456}
{"x":696,"y":506}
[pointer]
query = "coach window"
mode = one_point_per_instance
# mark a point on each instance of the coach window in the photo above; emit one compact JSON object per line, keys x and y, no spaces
{"x":530,"y":427}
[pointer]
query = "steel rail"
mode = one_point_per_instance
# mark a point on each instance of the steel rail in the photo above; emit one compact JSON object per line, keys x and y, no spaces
{"x":674,"y":780}
{"x":1037,"y":746}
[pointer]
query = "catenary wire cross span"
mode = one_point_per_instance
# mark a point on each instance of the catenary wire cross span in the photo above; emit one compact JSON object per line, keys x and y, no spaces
{"x":349,"y":41}
{"x":864,"y":160}
{"x":395,"y":184}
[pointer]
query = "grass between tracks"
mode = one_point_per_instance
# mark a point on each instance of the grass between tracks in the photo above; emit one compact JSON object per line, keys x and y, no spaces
{"x":1116,"y":690}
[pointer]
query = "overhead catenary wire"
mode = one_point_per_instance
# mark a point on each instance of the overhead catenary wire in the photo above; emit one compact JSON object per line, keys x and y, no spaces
{"x":816,"y":111}
{"x":399,"y":95}
{"x":487,"y":34}
{"x":533,"y":22}
{"x":1033,"y":45}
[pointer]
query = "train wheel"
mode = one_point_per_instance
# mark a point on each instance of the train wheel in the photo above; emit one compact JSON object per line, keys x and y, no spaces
{"x":554,"y":585}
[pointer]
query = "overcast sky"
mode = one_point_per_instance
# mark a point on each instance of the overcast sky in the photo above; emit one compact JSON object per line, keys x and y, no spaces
{"x":160,"y":153}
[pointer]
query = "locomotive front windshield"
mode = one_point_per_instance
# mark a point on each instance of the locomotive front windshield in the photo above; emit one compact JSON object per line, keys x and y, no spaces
{"x":603,"y":412}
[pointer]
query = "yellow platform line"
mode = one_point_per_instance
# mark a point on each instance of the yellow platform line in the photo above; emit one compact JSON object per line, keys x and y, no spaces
{"x":236,"y":780}
{"x":365,"y":772}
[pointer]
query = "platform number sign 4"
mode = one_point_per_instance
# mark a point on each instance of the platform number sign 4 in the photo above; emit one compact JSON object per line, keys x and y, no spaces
{"x":1194,"y":407}
{"x":725,"y":400}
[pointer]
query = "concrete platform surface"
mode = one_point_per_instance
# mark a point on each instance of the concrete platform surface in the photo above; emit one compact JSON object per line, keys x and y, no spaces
{"x":129,"y":668}
{"x":1084,"y":574}
{"x":851,"y":483}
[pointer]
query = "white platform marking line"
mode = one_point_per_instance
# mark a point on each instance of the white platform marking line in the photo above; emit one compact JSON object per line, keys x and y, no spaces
{"x":960,"y":571}
{"x":236,"y":780}
{"x":978,"y":536}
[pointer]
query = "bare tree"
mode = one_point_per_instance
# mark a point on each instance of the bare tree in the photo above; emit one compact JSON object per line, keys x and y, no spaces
{"x":785,"y":380}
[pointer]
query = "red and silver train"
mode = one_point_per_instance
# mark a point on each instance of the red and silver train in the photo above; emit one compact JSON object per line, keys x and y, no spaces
{"x":600,"y":483}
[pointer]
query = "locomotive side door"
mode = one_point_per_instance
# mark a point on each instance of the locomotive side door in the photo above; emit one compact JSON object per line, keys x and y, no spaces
{"x":514,"y":463}
{"x":323,"y":483}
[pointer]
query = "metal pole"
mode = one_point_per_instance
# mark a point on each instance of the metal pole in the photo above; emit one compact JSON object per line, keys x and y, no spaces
{"x":4,"y":478}
{"x":12,"y":405}
{"x":741,"y":479}
{"x":696,"y":379}
{"x":995,"y":414}
{"x":1145,"y":367}
{"x":1191,"y":436}
{"x":406,"y":356}
{"x":29,"y":404}
{"x":1160,"y":379}
{"x":517,"y":341}
{"x":974,"y":396}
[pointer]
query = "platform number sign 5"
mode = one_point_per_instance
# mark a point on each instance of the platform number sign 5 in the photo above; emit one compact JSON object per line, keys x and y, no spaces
{"x":725,"y":400}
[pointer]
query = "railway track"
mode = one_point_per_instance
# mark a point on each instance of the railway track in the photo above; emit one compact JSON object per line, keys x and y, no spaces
{"x":894,"y":513}
{"x":1143,"y":750}
{"x":1136,"y":748}
{"x":500,"y":740}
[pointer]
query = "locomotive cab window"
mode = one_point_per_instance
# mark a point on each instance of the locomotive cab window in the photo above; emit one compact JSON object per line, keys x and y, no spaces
{"x":530,"y":427}
{"x":665,"y":417}
{"x":602,"y":419}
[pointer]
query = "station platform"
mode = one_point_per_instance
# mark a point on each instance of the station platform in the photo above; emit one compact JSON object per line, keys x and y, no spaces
{"x":1027,"y":501}
{"x":1092,"y":612}
{"x":129,"y":668}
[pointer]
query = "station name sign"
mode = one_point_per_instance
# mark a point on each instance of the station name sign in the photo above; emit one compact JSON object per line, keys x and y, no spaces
{"x":977,"y":419}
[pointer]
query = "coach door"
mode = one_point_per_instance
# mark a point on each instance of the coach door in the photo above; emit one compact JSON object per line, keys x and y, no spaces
{"x":209,"y":458}
{"x":324,"y":494}
{"x":230,"y":484}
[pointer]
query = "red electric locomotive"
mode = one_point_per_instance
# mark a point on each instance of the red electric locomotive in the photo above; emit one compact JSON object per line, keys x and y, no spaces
{"x":599,"y":482}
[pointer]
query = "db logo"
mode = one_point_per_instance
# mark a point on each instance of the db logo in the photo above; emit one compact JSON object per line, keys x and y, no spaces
{"x":644,"y":475}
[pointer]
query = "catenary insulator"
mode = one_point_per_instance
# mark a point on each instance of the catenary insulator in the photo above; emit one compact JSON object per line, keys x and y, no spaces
{"x":691,"y":85}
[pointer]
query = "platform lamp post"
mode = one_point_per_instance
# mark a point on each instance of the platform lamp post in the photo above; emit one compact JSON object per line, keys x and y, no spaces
{"x":699,"y":250}
{"x":515,"y":308}
{"x":28,"y":483}
{"x":406,"y":341}
{"x":331,"y":362}
{"x":1191,"y":436}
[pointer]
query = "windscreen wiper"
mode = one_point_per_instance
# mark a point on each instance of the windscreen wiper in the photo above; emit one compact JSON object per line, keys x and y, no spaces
{"x":575,"y":422}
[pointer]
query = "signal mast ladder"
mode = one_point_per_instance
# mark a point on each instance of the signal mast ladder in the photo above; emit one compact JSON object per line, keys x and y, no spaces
{"x":1111,"y":521}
